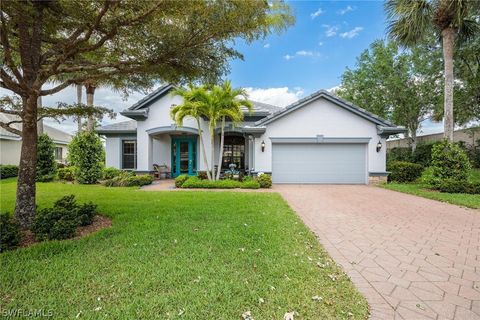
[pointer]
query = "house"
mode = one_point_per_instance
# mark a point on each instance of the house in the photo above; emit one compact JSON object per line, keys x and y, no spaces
{"x":11,"y":144}
{"x":318,"y":139}
{"x":470,"y":136}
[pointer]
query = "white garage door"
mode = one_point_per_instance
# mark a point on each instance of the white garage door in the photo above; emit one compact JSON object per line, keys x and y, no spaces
{"x":319,"y":163}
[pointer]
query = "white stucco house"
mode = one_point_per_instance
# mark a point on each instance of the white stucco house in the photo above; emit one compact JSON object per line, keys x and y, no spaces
{"x":318,"y":139}
{"x":11,"y":144}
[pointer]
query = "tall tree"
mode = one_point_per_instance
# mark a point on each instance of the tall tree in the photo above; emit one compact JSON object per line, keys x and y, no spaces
{"x":229,"y":104}
{"x":196,"y":101}
{"x":42,"y":41}
{"x":79,"y":102}
{"x":400,"y":85}
{"x":453,"y":20}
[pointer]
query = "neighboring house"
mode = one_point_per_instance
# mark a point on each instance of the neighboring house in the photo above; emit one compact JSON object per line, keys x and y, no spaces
{"x":470,"y":136}
{"x":11,"y":144}
{"x":318,"y":139}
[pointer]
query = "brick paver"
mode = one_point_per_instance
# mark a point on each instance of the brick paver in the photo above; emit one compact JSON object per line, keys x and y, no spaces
{"x":411,"y":257}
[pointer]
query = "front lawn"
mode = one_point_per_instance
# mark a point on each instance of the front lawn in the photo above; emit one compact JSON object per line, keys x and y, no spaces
{"x":467,"y":200}
{"x":185,"y":255}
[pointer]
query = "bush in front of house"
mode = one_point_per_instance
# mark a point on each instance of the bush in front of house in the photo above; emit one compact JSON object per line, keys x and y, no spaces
{"x":180,"y":180}
{"x":458,"y":186}
{"x":110,"y":173}
{"x":86,"y":153}
{"x":60,"y":221}
{"x":129,"y":179}
{"x":399,"y":154}
{"x":196,"y":183}
{"x":9,"y":232}
{"x":202,"y":175}
{"x":449,"y":162}
{"x":8,"y":171}
{"x":423,"y":154}
{"x":403,"y":171}
{"x":66,"y":173}
{"x":265,"y":180}
{"x":46,"y":164}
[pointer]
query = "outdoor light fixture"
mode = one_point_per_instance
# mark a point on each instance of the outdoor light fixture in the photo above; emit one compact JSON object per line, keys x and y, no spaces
{"x":379,"y":146}
{"x":263,"y":146}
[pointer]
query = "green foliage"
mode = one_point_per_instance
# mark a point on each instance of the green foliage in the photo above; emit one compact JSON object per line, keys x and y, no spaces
{"x":458,"y":186}
{"x":180,"y":180}
{"x":129,"y":179}
{"x":423,"y":154}
{"x":449,"y":161}
{"x":46,"y":164}
{"x":8,"y":171}
{"x":265,"y":180}
{"x":9,"y":232}
{"x":60,"y":221}
{"x":399,"y":154}
{"x":196,"y":183}
{"x":202,"y":175}
{"x":401,"y":171}
{"x":110,"y":173}
{"x":66,"y":173}
{"x":86,"y":153}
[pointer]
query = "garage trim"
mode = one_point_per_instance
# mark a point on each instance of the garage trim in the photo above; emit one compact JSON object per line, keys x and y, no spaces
{"x":320,"y":139}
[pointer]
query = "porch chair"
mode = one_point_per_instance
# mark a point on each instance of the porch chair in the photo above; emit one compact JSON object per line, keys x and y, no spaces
{"x":161,"y":171}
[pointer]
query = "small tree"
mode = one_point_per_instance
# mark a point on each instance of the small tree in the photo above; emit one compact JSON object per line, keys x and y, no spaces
{"x":86,"y":153}
{"x":46,"y":165}
{"x":449,"y":161}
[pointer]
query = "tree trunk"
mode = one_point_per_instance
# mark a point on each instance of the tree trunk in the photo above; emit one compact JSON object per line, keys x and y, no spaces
{"x":25,"y":204}
{"x":90,"y":93}
{"x":202,"y":144}
{"x":222,"y":138}
{"x":448,"y":38}
{"x":212,"y":153}
{"x":40,"y":122}
{"x":79,"y":101}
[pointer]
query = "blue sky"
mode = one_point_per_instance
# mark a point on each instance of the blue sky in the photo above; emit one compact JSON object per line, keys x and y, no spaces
{"x":310,"y":55}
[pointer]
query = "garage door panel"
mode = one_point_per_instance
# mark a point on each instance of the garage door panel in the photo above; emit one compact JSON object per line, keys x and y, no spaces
{"x":319,"y":163}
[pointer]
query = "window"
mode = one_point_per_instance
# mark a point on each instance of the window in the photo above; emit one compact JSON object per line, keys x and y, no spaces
{"x":234,"y":152}
{"x":129,"y":154}
{"x":59,"y":153}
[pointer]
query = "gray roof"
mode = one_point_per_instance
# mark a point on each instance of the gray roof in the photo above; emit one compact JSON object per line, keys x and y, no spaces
{"x":261,"y":108}
{"x":331,"y":97}
{"x":119,"y":127}
{"x":152,"y":97}
{"x":58,"y":136}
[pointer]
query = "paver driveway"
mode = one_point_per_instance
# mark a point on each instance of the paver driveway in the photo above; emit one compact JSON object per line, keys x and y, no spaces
{"x":412,"y":258}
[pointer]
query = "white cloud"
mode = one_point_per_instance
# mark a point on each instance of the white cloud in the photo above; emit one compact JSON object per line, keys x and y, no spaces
{"x":281,"y":96}
{"x":302,"y":53}
{"x":266,"y":45}
{"x":320,"y":43}
{"x":330,"y":31}
{"x":352,"y":33}
{"x":345,"y":10}
{"x":316,"y":13}
{"x":104,"y":97}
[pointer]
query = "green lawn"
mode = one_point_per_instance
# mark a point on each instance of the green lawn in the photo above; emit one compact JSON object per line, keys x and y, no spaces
{"x":466,"y":200}
{"x":178,"y":255}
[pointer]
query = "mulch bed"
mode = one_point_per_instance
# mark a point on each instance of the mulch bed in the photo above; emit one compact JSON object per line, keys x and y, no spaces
{"x":99,"y":223}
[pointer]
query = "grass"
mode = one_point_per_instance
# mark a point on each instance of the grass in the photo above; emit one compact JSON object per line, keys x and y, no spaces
{"x":466,"y":200}
{"x":178,"y":255}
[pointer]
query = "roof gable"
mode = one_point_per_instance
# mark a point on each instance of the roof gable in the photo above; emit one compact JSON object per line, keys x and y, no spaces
{"x":152,"y":97}
{"x":330,"y":97}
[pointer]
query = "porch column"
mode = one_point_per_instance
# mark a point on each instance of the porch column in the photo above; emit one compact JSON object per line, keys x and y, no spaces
{"x":144,"y":152}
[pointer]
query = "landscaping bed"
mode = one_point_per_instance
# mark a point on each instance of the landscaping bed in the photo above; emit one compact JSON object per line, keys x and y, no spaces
{"x":186,"y":255}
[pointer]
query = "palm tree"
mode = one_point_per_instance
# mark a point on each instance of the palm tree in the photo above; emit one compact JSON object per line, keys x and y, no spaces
{"x":196,"y":101}
{"x":229,"y":103}
{"x":411,"y":20}
{"x":79,"y":102}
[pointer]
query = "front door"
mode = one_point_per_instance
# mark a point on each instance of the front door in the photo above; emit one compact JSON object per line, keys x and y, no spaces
{"x":184,"y":155}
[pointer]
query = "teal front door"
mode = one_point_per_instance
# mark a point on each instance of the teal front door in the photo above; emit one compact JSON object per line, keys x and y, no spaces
{"x":184,"y":155}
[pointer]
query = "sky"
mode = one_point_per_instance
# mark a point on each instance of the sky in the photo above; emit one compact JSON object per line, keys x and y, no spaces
{"x":309,"y":56}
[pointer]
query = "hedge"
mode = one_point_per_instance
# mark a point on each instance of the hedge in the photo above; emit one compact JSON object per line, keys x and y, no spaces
{"x":196,"y":183}
{"x":8,"y":171}
{"x":402,"y":171}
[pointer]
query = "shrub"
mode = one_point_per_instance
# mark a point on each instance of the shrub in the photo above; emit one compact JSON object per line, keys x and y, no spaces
{"x":399,"y":154}
{"x":265,"y":180}
{"x":8,"y":171}
{"x":423,"y":154}
{"x":66,"y":173}
{"x":196,"y":183}
{"x":110,"y":173}
{"x":46,"y":164}
{"x":61,"y":220}
{"x":458,"y":186}
{"x":449,"y":161}
{"x":129,"y":179}
{"x":402,"y":171}
{"x":202,"y":175}
{"x":180,"y":180}
{"x":250,"y":184}
{"x":85,"y":152}
{"x":9,"y":232}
